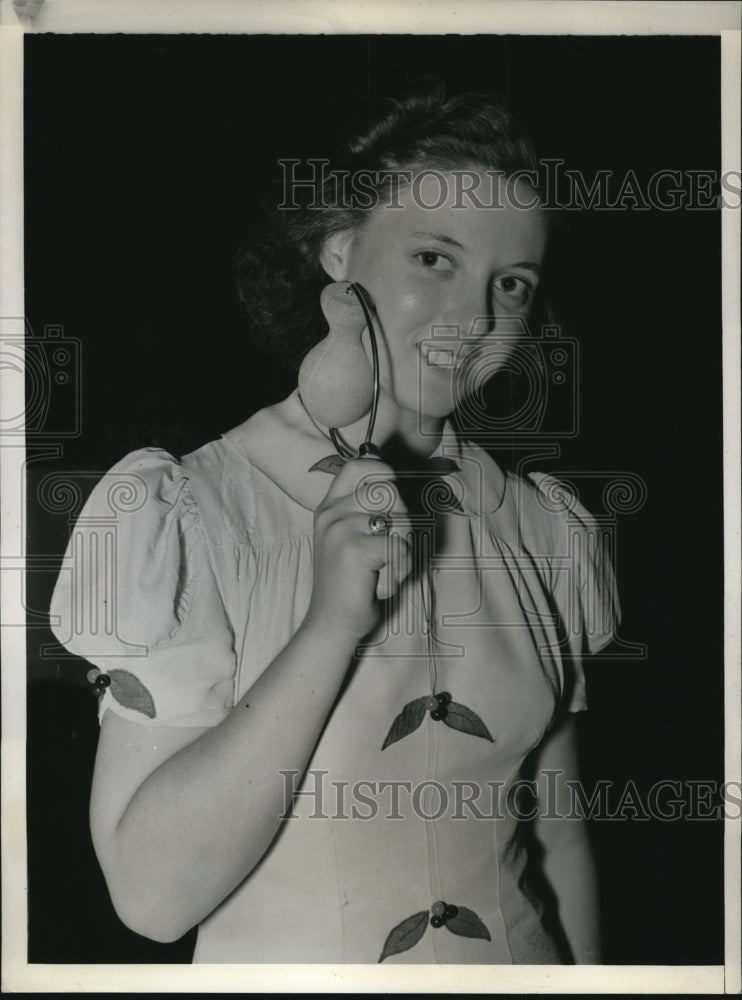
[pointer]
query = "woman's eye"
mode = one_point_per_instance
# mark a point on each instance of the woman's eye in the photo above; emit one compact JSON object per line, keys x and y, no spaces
{"x":434,"y":261}
{"x":513,"y":290}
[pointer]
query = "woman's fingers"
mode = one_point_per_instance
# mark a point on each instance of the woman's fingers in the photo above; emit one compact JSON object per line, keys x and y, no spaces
{"x":396,"y":568}
{"x":360,"y":476}
{"x":365,"y":485}
{"x":355,"y":566}
{"x":356,"y":543}
{"x":348,"y":508}
{"x":389,"y":553}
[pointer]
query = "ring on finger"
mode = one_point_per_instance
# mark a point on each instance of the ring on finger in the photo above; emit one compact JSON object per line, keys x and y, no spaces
{"x":379,"y":524}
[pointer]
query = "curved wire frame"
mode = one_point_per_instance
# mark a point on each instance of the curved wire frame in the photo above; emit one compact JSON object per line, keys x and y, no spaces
{"x":368,"y":449}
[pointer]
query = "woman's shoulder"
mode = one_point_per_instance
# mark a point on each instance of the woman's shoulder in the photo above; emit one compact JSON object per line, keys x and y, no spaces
{"x":283,"y":450}
{"x":542,"y":494}
{"x":221,"y":480}
{"x":150,"y":489}
{"x":143,"y":486}
{"x":496,"y":487}
{"x":132,"y":560}
{"x":541,"y":509}
{"x":137,"y":597}
{"x":243,"y":486}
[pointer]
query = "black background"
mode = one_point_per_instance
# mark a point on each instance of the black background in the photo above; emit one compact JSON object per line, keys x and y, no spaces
{"x":142,"y":154}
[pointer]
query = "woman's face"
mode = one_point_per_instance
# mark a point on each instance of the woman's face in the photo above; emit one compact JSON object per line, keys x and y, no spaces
{"x":445,"y":282}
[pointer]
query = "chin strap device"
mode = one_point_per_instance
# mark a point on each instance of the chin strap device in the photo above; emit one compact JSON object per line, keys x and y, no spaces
{"x":338,"y":382}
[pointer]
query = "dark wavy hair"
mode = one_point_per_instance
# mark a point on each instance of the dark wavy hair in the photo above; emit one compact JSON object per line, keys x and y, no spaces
{"x":279,"y":275}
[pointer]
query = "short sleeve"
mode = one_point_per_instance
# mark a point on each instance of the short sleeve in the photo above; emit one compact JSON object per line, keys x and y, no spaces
{"x":137,"y":598}
{"x":581,"y":581}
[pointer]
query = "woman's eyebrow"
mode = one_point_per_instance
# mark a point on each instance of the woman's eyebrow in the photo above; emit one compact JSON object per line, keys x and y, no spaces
{"x":441,"y":237}
{"x":528,"y":265}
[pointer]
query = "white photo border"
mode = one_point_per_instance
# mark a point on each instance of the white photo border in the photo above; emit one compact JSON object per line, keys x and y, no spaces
{"x":379,"y":17}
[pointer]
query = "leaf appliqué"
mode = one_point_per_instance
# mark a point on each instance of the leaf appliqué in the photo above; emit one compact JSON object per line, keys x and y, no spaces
{"x":467,"y":924}
{"x":462,"y":718}
{"x":455,"y":504}
{"x":405,"y":935}
{"x":129,"y":691}
{"x":408,"y":720}
{"x":442,"y":465}
{"x":331,"y":464}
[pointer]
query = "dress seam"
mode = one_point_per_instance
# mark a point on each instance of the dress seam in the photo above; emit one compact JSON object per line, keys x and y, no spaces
{"x":434,"y":873}
{"x":339,"y":890}
{"x":499,"y":874}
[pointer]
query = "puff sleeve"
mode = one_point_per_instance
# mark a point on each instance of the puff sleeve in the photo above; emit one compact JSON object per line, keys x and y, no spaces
{"x":137,"y":598}
{"x":581,"y":581}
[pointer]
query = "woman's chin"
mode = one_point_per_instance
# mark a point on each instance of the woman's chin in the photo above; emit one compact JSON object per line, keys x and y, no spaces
{"x":439,"y":398}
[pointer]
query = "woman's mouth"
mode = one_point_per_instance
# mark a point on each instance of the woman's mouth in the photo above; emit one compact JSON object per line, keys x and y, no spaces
{"x":444,"y":355}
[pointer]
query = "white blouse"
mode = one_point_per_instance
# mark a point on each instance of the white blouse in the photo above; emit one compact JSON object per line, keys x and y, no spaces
{"x":183,"y":581}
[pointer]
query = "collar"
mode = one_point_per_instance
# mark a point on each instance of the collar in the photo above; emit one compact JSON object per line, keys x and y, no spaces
{"x":283,"y":444}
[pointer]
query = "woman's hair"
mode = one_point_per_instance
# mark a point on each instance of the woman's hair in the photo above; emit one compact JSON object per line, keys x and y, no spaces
{"x":279,"y":277}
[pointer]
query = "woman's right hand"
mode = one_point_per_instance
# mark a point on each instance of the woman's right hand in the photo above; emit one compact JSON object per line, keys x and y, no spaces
{"x":354,"y":569}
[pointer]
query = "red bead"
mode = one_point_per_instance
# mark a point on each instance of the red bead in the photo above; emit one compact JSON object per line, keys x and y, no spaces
{"x":432,"y":703}
{"x":438,"y":909}
{"x":92,"y":674}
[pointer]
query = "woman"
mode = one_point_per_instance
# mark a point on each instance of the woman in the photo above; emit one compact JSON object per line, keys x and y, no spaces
{"x":322,"y":679}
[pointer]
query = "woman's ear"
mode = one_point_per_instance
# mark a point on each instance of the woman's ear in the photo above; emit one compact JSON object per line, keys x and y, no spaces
{"x":335,"y":254}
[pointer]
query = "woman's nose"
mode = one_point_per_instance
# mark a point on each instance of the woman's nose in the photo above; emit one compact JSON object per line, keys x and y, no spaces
{"x":471,"y":314}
